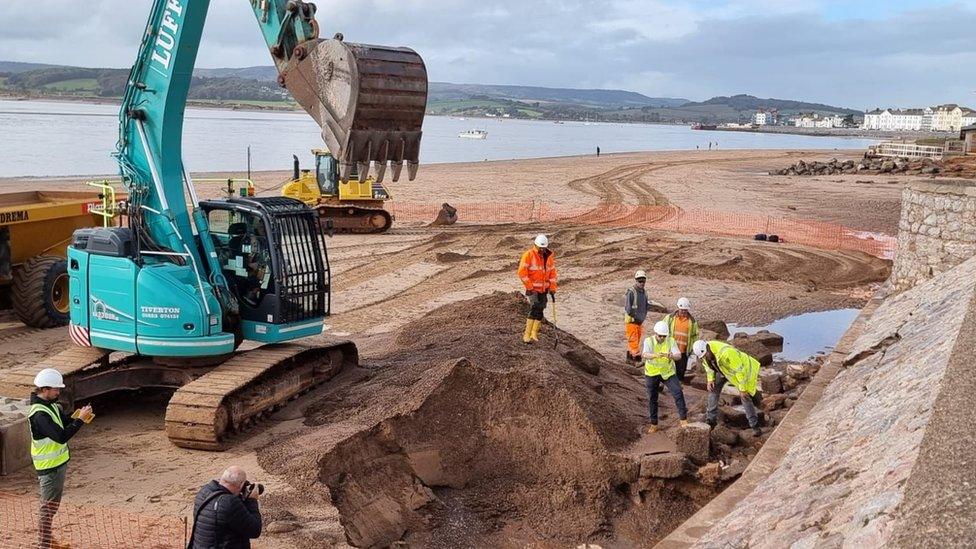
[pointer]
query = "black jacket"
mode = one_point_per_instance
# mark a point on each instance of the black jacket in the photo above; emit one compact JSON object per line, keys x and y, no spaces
{"x":42,"y":426}
{"x":227,"y":522}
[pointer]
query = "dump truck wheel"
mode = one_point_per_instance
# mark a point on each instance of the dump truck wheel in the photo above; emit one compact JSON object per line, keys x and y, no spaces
{"x":40,"y":292}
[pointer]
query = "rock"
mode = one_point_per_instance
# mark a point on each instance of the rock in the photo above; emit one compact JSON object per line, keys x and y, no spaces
{"x":693,"y":440}
{"x":670,"y":465}
{"x":655,"y":307}
{"x":799,"y":371}
{"x":724,"y":435}
{"x":735,"y":416}
{"x":930,"y":170}
{"x":710,"y":473}
{"x":720,"y":328}
{"x":769,"y":339}
{"x":753,"y":348}
{"x":772,"y":402}
{"x":887,"y":166}
{"x":770,"y":381}
{"x":790,"y":383}
{"x":733,"y":470}
{"x":789,"y":402}
{"x":281,"y":527}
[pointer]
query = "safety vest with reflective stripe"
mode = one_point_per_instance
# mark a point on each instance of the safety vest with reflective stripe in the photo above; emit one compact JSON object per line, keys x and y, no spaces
{"x":537,"y":274}
{"x":692,"y":335}
{"x":663,"y":366}
{"x":740,"y":369}
{"x":46,"y":453}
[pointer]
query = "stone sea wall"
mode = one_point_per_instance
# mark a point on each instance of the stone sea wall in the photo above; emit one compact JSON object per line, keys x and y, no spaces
{"x":937,"y":230}
{"x":843,"y":479}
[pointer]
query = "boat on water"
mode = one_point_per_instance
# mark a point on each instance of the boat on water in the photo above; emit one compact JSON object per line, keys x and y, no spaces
{"x":704,"y":127}
{"x":474,"y":134}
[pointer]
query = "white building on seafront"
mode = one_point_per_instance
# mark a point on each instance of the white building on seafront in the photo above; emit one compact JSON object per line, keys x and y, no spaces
{"x":894,"y":120}
{"x":942,"y":118}
{"x":815,"y":120}
{"x":764,"y":117}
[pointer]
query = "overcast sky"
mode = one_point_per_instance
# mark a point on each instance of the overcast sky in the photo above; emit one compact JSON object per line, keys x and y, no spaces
{"x":857,"y":53}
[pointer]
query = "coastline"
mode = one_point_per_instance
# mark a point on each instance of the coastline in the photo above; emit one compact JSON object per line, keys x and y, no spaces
{"x":840,"y":132}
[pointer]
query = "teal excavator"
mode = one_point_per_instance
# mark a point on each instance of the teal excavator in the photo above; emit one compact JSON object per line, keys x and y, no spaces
{"x":166,"y":299}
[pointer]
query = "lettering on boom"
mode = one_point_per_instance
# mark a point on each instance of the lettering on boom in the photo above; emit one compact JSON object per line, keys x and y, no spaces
{"x":166,"y":37}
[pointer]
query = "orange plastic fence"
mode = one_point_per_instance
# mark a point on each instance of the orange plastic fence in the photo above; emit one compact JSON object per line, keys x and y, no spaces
{"x":698,"y":221}
{"x":86,"y":527}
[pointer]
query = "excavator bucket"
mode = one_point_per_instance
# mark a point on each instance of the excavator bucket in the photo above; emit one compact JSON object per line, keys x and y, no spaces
{"x":368,"y":100}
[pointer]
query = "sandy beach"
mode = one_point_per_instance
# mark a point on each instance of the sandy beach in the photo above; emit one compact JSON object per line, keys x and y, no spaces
{"x":382,"y":281}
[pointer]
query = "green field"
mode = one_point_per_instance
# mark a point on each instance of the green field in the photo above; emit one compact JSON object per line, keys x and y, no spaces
{"x":246,"y":103}
{"x":74,"y":85}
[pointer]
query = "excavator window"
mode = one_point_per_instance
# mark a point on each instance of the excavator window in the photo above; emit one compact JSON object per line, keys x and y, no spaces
{"x":327,"y":172}
{"x":241,"y":241}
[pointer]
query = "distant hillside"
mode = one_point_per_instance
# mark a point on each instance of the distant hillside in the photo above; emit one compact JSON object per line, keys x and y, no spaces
{"x":445,"y":91}
{"x":256,"y":73}
{"x":751,"y":103}
{"x":257,"y":87}
{"x":13,"y":67}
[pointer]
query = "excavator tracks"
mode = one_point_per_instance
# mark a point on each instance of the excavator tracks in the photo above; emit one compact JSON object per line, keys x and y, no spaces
{"x":19,"y":382}
{"x":349,"y":219}
{"x":204,"y":413}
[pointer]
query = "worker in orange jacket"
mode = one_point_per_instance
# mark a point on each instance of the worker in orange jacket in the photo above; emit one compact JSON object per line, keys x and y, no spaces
{"x":537,"y":270}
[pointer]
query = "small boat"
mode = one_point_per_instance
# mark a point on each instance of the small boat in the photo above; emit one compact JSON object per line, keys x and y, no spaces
{"x":474,"y":134}
{"x":704,"y":127}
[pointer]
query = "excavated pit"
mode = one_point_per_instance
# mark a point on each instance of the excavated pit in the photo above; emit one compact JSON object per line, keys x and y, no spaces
{"x":463,"y":436}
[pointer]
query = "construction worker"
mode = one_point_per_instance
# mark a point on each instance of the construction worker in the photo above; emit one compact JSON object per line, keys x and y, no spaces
{"x":684,"y":329}
{"x":635,"y":311}
{"x":724,"y":363}
{"x":537,"y":269}
{"x":660,"y":352}
{"x":50,"y":429}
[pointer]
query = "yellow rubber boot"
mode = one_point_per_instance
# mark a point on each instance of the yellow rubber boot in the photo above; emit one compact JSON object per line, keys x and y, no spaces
{"x":527,"y":335}
{"x":536,"y":326}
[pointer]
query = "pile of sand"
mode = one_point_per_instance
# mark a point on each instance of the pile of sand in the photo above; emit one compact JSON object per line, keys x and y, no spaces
{"x":463,"y":435}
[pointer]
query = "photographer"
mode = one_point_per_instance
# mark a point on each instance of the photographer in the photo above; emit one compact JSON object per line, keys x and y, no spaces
{"x":226,"y":514}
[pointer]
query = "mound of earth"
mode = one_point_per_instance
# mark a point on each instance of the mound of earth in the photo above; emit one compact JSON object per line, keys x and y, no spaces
{"x":464,"y":436}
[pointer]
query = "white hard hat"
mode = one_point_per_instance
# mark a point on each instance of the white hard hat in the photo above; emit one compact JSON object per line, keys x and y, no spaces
{"x":640,"y":274}
{"x":661,"y":328}
{"x":699,"y":348}
{"x":541,"y":241}
{"x":49,"y":377}
{"x":684,"y":303}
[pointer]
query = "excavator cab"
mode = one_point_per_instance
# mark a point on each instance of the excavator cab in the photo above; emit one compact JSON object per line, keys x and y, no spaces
{"x":273,"y":256}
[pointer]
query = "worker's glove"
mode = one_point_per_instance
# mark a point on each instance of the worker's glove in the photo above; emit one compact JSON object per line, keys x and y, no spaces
{"x":629,"y":319}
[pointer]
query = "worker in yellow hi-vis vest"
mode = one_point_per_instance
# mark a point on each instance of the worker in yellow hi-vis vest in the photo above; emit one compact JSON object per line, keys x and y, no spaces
{"x":50,"y":429}
{"x":660,"y":352}
{"x":724,"y":363}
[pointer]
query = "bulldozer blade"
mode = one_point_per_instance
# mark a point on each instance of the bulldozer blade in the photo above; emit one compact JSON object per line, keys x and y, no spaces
{"x":368,"y":100}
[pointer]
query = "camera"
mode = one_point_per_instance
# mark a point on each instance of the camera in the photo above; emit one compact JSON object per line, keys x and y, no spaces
{"x":250,"y":487}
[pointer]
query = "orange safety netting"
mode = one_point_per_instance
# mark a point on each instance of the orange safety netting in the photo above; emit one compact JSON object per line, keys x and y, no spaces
{"x":87,"y":527}
{"x":670,"y":218}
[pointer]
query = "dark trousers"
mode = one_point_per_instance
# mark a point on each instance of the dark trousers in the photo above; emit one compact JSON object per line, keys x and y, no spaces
{"x":711,"y":411}
{"x":537,"y":301}
{"x":681,"y":366}
{"x":674,"y":387}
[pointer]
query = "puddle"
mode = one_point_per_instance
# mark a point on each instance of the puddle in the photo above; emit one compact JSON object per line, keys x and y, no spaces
{"x":807,"y":334}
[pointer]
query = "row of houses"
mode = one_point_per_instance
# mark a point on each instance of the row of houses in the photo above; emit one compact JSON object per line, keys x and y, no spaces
{"x":942,"y":118}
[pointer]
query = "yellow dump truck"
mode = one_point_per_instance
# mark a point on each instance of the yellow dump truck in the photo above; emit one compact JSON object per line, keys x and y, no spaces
{"x":35,"y":230}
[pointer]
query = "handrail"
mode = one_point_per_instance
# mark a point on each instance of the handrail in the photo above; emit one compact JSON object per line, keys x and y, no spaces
{"x":107,"y":210}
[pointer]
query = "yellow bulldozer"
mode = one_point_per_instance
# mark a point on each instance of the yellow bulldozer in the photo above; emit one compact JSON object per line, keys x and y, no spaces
{"x":345,"y":205}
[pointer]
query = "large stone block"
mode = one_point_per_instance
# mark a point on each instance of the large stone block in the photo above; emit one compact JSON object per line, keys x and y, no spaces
{"x":670,"y":465}
{"x":770,"y":381}
{"x":753,"y":348}
{"x":693,"y":440}
{"x":14,"y":435}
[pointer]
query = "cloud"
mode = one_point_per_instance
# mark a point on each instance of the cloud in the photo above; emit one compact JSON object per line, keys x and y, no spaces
{"x":865,"y":54}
